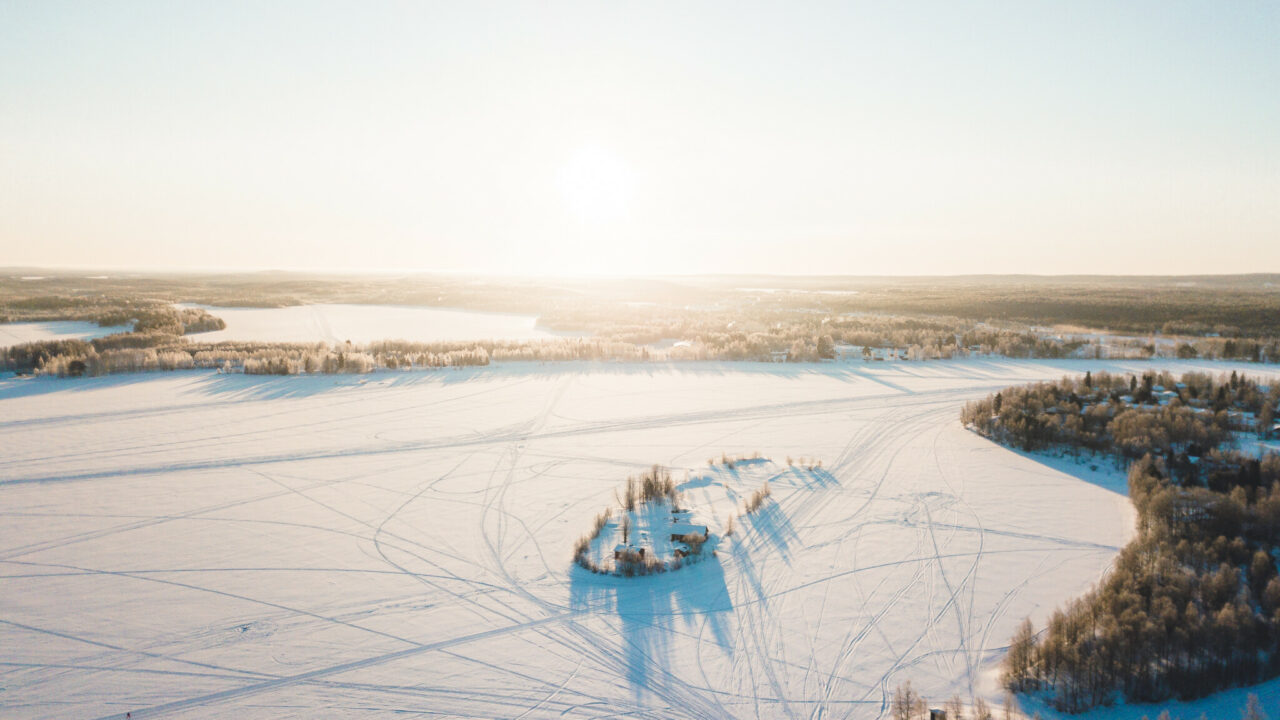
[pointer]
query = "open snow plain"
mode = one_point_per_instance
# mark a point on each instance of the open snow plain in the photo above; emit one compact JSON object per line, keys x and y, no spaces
{"x":204,"y":545}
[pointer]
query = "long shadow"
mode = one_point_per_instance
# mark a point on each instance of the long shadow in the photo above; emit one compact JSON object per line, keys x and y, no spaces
{"x":268,"y":387}
{"x":807,"y":478}
{"x":12,"y":386}
{"x":769,"y":524}
{"x":647,"y":608}
{"x":1109,"y":472}
{"x":271,"y":387}
{"x":703,"y":596}
{"x":853,"y":371}
{"x":277,"y":387}
{"x":695,"y":481}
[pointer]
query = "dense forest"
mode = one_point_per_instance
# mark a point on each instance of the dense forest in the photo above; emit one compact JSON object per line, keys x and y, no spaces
{"x":1193,"y":603}
{"x":1247,"y":307}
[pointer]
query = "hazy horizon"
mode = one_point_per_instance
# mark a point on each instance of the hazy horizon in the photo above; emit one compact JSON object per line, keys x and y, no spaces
{"x":642,"y":139}
{"x":53,"y":272}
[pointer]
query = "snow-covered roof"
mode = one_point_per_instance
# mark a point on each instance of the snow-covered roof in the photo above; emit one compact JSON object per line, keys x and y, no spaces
{"x":688,"y":529}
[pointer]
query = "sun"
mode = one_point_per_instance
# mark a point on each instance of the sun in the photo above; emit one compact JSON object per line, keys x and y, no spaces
{"x":596,"y":185}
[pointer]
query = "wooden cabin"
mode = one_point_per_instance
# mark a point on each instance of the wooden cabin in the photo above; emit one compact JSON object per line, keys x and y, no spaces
{"x":679,"y":530}
{"x":624,"y":549}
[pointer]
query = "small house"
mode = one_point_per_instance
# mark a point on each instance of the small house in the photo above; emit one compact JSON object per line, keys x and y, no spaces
{"x":679,"y":530}
{"x":623,"y":550}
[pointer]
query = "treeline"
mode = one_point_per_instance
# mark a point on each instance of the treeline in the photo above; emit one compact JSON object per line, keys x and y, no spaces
{"x":1232,"y":305}
{"x":1238,"y":307}
{"x":164,"y":320}
{"x":808,"y":337}
{"x":1192,"y":605}
{"x":145,"y":315}
{"x":158,"y":344}
{"x":713,"y":319}
{"x":1218,"y":348}
{"x":102,"y":309}
{"x":907,"y":704}
{"x":140,"y":352}
{"x":133,"y":352}
{"x":813,"y":339}
{"x":1128,"y":415}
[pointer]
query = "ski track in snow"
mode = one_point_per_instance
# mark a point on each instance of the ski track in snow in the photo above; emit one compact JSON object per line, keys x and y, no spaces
{"x":192,"y":545}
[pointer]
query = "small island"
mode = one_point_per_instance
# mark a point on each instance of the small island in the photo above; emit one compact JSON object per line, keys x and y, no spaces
{"x":654,"y":528}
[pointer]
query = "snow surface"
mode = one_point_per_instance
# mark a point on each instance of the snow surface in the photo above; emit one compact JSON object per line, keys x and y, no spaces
{"x":194,"y":544}
{"x":1248,"y":442}
{"x":336,"y":324}
{"x":25,"y":332}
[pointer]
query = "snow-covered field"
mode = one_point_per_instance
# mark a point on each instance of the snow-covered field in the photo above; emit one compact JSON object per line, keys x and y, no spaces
{"x":198,"y":545}
{"x":25,"y":332}
{"x":365,"y":323}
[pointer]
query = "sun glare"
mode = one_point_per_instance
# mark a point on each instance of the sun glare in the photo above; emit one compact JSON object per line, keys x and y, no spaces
{"x":596,"y":185}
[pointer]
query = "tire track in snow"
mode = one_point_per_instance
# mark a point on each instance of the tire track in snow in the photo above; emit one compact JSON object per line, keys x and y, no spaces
{"x":779,"y":410}
{"x":282,"y":682}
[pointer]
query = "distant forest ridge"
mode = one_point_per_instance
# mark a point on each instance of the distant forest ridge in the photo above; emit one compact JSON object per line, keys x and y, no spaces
{"x":1221,"y":305}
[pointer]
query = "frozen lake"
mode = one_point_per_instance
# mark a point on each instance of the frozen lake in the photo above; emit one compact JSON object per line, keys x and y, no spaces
{"x":336,"y":324}
{"x":25,"y":332}
{"x":196,"y":545}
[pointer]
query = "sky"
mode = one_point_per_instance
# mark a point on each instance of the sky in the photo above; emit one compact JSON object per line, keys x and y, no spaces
{"x":642,"y":137}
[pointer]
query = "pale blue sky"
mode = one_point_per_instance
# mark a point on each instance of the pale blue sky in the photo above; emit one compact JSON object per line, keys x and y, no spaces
{"x":646,"y":137}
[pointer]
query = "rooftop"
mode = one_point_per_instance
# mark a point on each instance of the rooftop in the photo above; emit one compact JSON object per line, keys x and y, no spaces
{"x":688,"y":528}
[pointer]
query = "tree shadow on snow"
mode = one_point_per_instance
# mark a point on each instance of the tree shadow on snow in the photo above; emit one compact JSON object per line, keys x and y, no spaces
{"x":1101,"y":470}
{"x":771,"y":526}
{"x":16,"y":386}
{"x":807,"y":478}
{"x":276,"y":387}
{"x":651,"y":610}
